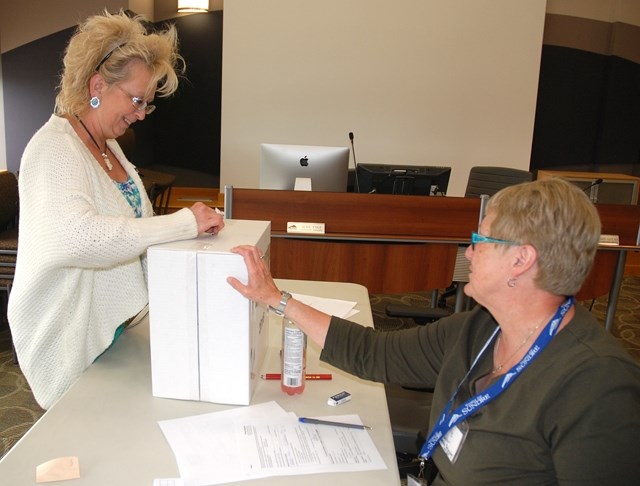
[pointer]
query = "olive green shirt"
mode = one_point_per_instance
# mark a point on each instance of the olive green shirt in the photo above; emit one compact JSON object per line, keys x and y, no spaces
{"x":571,"y":418}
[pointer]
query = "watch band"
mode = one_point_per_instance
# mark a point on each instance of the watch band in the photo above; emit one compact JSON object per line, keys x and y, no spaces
{"x":284,"y":298}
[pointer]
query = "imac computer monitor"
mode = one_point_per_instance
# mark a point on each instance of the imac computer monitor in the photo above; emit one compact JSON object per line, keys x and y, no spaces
{"x":326,"y":168}
{"x":416,"y":180}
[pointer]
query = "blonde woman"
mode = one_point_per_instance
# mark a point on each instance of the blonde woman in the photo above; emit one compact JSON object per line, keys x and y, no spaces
{"x":85,"y":219}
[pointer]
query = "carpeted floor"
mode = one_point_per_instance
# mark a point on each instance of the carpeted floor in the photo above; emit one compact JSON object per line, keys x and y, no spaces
{"x":626,"y":325}
{"x":19,"y":411}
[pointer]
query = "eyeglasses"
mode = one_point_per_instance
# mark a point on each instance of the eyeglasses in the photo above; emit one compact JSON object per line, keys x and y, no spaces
{"x":139,"y":103}
{"x":476,"y":238}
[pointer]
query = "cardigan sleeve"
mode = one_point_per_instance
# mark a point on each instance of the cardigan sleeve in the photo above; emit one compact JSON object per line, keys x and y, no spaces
{"x":78,"y":214}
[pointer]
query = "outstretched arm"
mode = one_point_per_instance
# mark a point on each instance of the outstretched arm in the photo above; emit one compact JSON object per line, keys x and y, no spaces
{"x":262,"y":289}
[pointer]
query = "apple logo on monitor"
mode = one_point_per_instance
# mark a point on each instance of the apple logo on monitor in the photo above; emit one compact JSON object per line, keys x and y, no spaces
{"x":304,"y":161}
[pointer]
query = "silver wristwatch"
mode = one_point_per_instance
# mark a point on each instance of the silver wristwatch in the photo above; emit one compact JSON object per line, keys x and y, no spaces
{"x":284,"y":298}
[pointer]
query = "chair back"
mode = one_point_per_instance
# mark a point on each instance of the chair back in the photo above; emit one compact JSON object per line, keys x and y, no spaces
{"x":489,"y":180}
{"x":8,"y":200}
{"x":483,"y":182}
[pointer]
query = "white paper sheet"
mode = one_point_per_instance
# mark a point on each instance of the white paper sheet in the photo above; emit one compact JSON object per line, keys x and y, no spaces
{"x":289,"y":447}
{"x":264,"y":440}
{"x":333,"y":307}
{"x":204,"y":445}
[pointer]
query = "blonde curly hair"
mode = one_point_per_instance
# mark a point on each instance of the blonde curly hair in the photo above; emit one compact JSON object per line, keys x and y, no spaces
{"x":107,"y":44}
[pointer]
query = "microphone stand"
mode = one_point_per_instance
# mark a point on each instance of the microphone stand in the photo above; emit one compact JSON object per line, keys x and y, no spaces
{"x":597,"y":182}
{"x":355,"y":164}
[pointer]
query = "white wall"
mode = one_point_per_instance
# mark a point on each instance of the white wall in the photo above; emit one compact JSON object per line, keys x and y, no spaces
{"x":22,"y":22}
{"x":434,"y":82}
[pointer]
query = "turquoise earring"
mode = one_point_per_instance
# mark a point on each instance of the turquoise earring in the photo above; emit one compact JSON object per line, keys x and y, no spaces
{"x":94,"y":102}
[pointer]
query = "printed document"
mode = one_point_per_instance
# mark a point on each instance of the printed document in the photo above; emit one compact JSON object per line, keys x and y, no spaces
{"x":264,"y":440}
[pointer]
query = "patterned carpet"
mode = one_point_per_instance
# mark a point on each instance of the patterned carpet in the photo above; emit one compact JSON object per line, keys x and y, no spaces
{"x":626,"y":324}
{"x":19,"y":411}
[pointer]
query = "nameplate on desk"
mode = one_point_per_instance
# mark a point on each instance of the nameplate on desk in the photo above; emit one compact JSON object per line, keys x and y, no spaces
{"x":297,"y":227}
{"x":609,"y":240}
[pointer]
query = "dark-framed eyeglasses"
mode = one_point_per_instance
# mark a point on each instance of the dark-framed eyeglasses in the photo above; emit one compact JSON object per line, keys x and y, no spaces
{"x":139,"y":103}
{"x":477,"y":238}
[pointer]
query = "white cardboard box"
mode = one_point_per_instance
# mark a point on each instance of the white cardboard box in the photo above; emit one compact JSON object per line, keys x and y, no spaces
{"x":207,"y":340}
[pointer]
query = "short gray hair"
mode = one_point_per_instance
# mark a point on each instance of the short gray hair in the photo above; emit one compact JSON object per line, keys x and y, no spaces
{"x":559,"y":220}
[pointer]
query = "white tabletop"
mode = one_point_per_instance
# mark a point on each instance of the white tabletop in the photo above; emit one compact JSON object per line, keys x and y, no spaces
{"x":109,"y":419}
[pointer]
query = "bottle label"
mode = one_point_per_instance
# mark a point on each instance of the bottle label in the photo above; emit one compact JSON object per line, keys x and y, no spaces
{"x":293,"y":356}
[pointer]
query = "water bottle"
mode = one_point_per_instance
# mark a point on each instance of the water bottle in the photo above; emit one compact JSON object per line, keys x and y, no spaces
{"x":294,"y":358}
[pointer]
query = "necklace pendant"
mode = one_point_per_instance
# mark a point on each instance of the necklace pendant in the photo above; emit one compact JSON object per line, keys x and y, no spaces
{"x":104,"y":155}
{"x":107,"y":161}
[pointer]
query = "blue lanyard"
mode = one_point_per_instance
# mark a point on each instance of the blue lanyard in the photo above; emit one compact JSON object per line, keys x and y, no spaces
{"x":449,"y":419}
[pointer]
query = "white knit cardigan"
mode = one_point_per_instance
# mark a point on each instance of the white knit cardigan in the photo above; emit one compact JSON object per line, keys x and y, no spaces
{"x":81,"y":266}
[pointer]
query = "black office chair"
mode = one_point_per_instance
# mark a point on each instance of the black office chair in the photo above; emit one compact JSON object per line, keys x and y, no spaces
{"x":8,"y":224}
{"x":158,"y":185}
{"x":9,"y":209}
{"x":489,"y":180}
{"x":483,"y":181}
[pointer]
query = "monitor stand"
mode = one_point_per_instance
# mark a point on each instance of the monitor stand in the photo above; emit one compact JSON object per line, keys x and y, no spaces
{"x":302,"y":184}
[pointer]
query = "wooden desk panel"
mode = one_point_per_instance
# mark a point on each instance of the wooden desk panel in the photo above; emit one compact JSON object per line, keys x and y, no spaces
{"x":380,"y":267}
{"x":365,"y":215}
{"x":622,"y":220}
{"x":598,"y":282}
{"x":387,"y":243}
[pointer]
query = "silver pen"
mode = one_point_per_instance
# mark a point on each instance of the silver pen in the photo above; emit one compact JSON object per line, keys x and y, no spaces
{"x":307,"y":420}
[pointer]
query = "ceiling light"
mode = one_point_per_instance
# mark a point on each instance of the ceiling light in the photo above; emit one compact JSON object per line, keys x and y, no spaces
{"x":189,"y":6}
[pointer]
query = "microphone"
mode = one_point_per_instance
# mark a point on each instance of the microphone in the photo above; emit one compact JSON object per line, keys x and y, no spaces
{"x":355,"y":164}
{"x":596,"y":183}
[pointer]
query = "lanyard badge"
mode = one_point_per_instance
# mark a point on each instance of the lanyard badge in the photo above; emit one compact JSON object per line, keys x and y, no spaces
{"x":449,"y":430}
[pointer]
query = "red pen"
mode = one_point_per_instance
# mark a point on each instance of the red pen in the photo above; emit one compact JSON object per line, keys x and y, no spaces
{"x":313,"y":376}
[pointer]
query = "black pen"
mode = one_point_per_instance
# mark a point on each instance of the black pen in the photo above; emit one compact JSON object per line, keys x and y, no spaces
{"x":307,"y":420}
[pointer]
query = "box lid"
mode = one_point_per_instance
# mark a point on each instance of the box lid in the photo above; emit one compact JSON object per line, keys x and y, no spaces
{"x":235,"y":232}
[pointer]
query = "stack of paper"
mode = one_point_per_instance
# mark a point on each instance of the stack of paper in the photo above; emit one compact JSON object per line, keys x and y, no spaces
{"x":264,"y":440}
